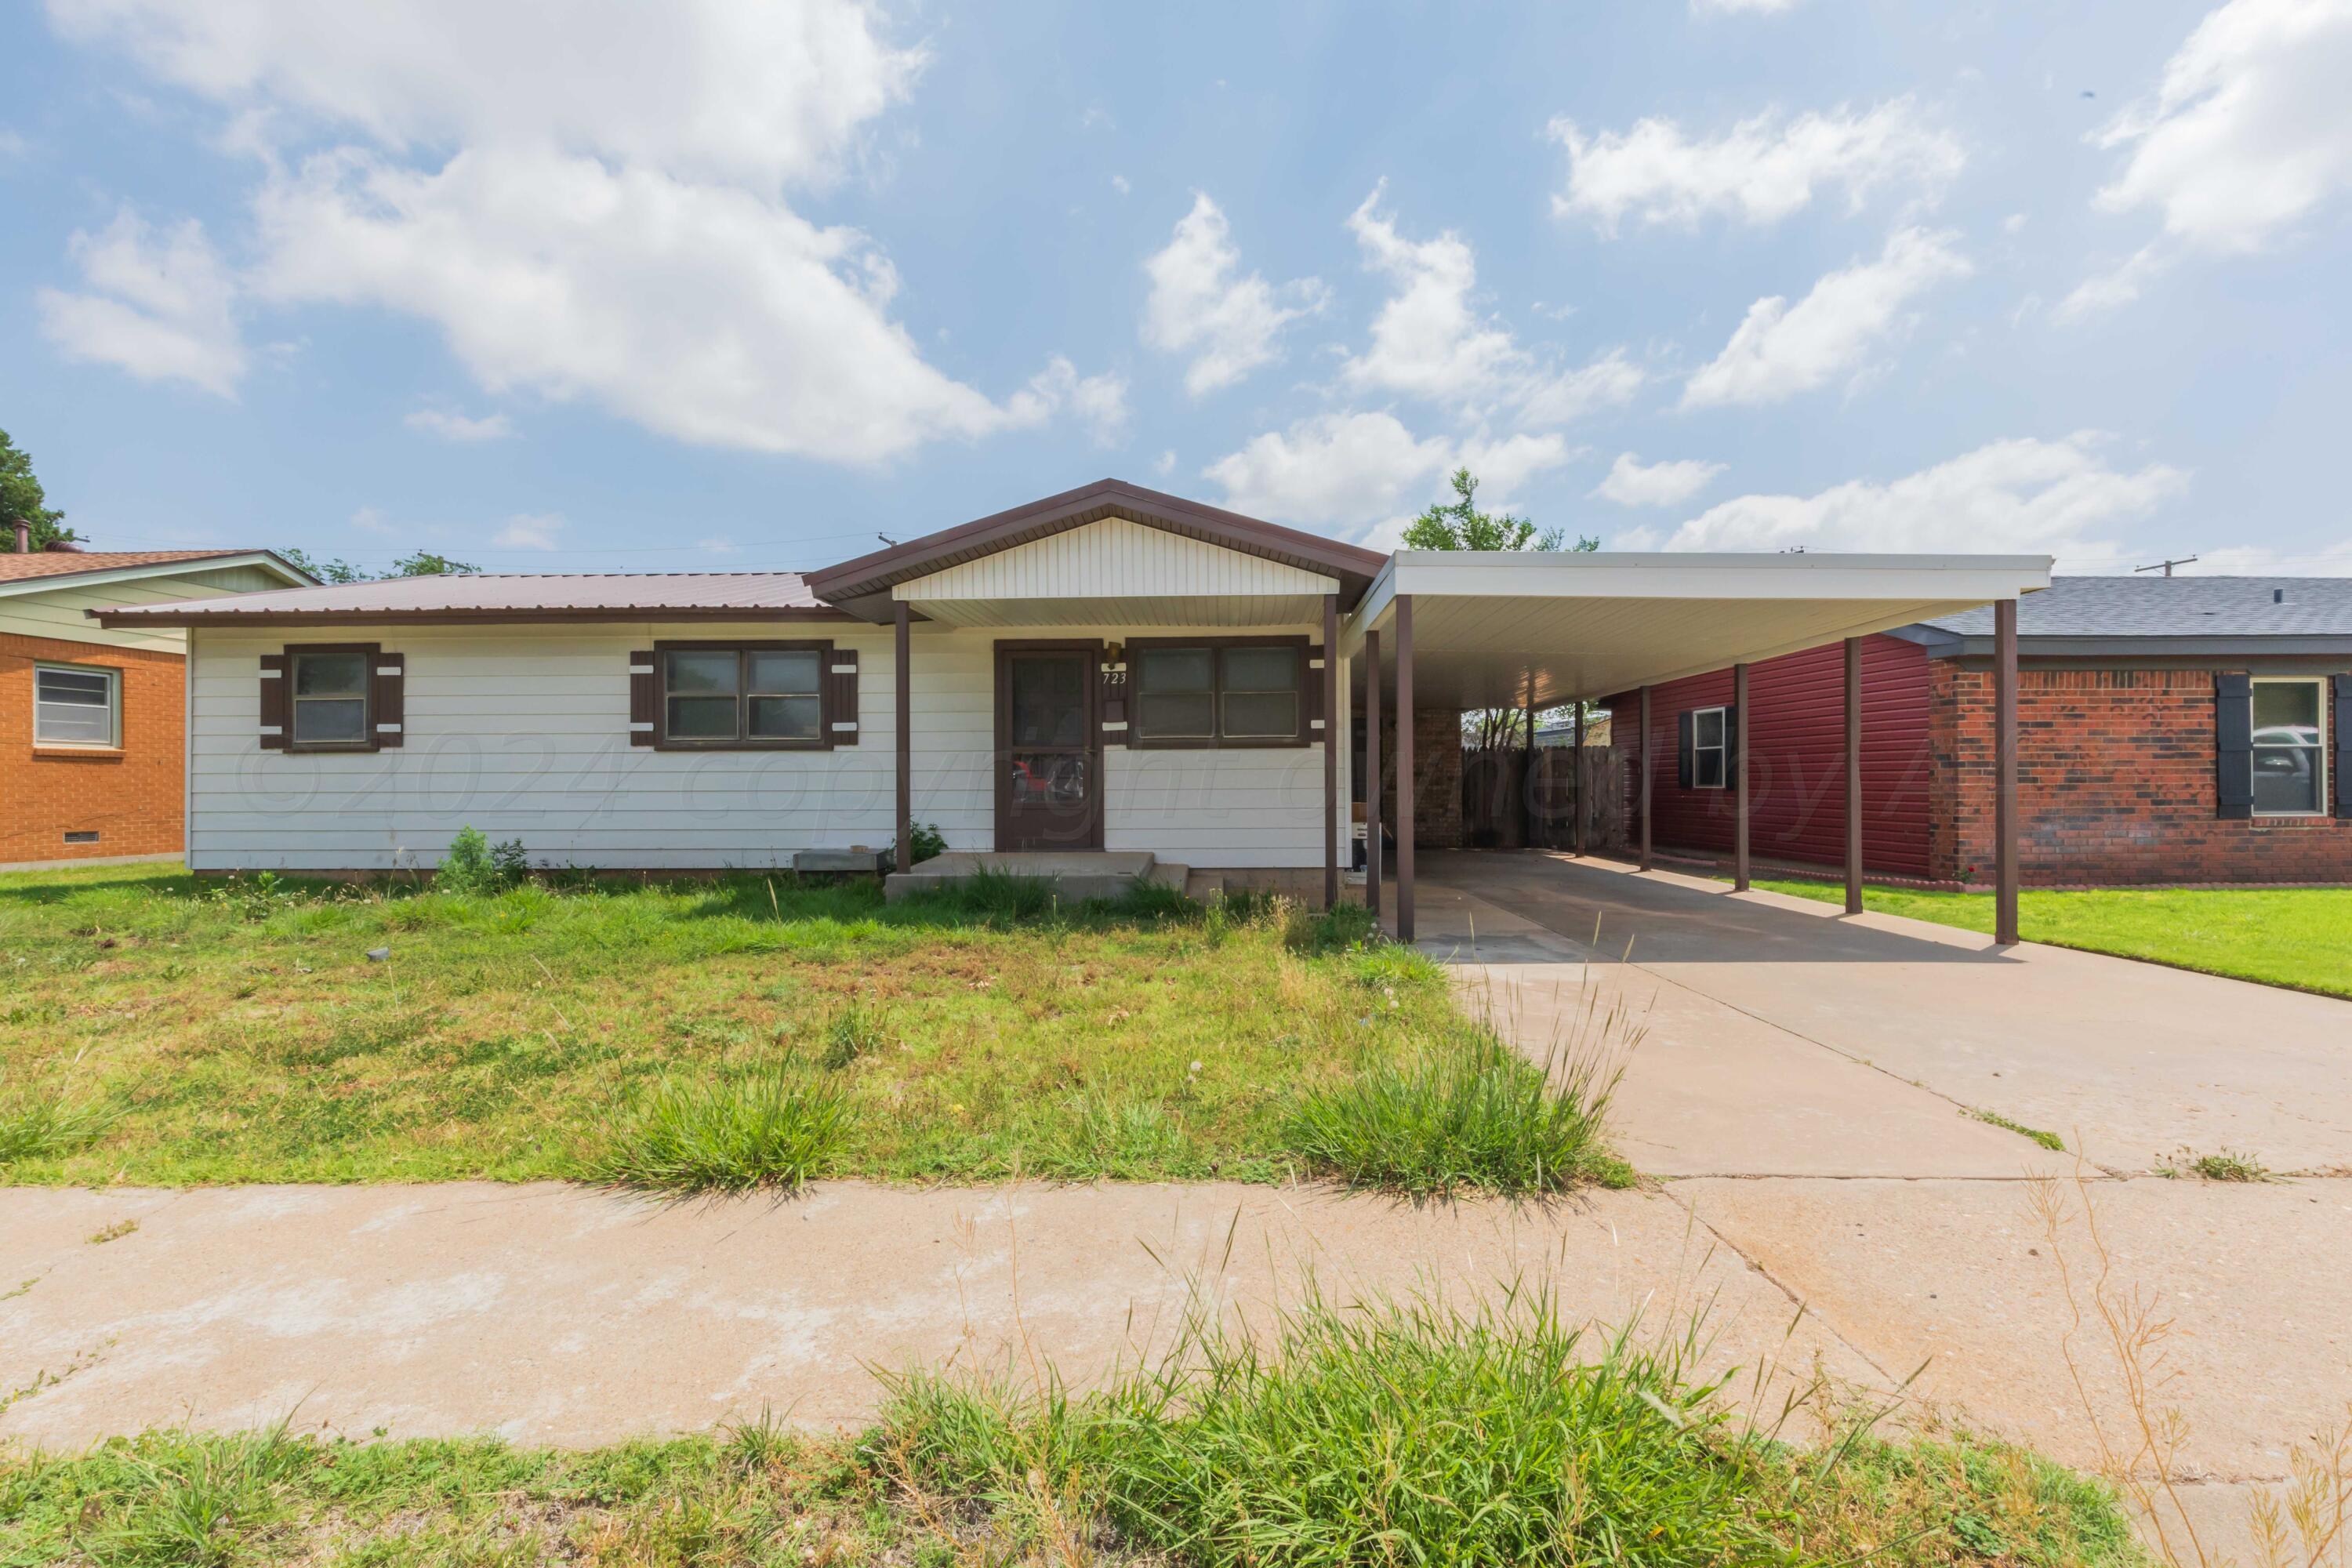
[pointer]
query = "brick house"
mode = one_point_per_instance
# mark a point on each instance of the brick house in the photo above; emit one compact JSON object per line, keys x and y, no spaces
{"x":92,"y":719}
{"x":2170,"y":729}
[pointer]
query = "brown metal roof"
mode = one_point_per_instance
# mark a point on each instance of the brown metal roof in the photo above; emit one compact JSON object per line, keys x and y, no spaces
{"x":862,"y":586}
{"x":17,"y":568}
{"x":504,"y":597}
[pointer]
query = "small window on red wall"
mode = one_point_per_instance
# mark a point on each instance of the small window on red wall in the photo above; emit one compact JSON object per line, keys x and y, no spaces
{"x":1710,"y":748}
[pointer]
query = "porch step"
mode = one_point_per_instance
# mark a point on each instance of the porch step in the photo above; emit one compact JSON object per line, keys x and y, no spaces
{"x":1077,"y":876}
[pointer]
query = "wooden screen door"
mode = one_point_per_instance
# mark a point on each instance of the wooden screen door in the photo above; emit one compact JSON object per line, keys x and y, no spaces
{"x":1048,"y":746}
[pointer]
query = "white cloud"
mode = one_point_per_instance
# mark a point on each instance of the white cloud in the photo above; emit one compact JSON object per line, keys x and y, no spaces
{"x":529,"y":532}
{"x":1631,"y":482}
{"x":1363,"y":471}
{"x":2023,"y":494}
{"x":1120,"y":182}
{"x":371,"y":519}
{"x":1097,"y":401}
{"x":2248,"y":133}
{"x":1781,"y":350}
{"x":1164,"y":464}
{"x":1200,"y":305}
{"x":718,"y":546}
{"x":596,"y":210}
{"x":452,"y":425}
{"x":1430,"y":339}
{"x":158,"y":306}
{"x":2118,"y":286}
{"x":1761,"y":7}
{"x":1762,"y":170}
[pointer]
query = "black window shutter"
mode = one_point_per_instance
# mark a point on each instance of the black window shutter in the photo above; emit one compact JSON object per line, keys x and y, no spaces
{"x":1686,"y":748}
{"x":275,"y":703}
{"x":2343,"y":684}
{"x":389,"y":682}
{"x":1731,"y":747}
{"x":2233,"y":744}
{"x":841,"y":693}
{"x":642,"y":698}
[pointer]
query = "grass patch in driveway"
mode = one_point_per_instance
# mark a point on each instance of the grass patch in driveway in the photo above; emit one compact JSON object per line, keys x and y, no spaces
{"x":159,"y":1031}
{"x":2049,"y":1140}
{"x":2281,"y":936}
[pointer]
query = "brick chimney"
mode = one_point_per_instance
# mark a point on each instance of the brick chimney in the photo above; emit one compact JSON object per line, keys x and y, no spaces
{"x":24,"y":537}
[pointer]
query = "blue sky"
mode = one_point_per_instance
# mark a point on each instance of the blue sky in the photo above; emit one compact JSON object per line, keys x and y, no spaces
{"x":742,"y":283}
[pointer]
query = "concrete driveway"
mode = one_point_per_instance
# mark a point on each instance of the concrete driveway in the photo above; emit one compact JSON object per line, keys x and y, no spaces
{"x":1804,"y":1084}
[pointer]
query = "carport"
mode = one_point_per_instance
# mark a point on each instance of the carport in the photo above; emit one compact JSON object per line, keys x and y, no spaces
{"x":1483,"y":629}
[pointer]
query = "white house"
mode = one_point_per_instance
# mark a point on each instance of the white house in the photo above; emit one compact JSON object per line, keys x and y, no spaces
{"x":1107,"y":669}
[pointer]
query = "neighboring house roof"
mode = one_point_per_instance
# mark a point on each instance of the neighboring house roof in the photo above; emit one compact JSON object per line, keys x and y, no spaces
{"x":45,"y":568}
{"x":504,"y":597}
{"x":2156,"y":616}
{"x":862,"y":586}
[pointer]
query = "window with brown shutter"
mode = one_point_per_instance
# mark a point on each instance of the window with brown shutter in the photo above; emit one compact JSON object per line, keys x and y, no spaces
{"x":743,"y":697}
{"x":331,"y":696}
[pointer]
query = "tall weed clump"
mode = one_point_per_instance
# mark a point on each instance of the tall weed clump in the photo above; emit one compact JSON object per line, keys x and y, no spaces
{"x":775,"y":1125}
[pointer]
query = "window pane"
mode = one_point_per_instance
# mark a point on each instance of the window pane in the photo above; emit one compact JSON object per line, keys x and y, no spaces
{"x":330,"y":721}
{"x":784,"y":717}
{"x":695,"y":673}
{"x":331,"y":675}
{"x":1175,"y":715}
{"x":81,"y":686}
{"x":1261,"y":715}
{"x":2286,"y":779}
{"x":73,"y":707}
{"x":1049,"y":698}
{"x":788,"y":672}
{"x":702,"y":718}
{"x":2286,"y":713}
{"x":1173,"y":669}
{"x":1261,"y":669}
{"x":1708,"y":727}
{"x":1707,"y":769}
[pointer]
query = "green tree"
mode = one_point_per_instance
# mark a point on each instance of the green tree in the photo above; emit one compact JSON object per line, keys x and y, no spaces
{"x":1460,"y":525}
{"x":423,"y":563}
{"x":21,"y":495}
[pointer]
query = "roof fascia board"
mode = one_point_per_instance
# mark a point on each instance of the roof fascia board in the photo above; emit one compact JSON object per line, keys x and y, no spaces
{"x":2311,"y":646}
{"x":101,"y":576}
{"x":634,"y":614}
{"x":1568,"y":574}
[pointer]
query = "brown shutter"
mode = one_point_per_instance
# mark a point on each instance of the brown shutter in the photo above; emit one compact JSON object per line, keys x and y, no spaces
{"x":842,"y":727}
{"x":642,"y":698}
{"x":275,"y":703}
{"x":1311,"y":698}
{"x":1685,"y":750}
{"x":389,"y":682}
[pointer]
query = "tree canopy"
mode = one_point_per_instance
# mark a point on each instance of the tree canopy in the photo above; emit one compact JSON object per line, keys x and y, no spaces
{"x":21,"y":496}
{"x":1460,"y":525}
{"x":423,"y":563}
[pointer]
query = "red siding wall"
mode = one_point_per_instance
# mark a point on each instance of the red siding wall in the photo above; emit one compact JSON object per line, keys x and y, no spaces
{"x":1796,"y":761}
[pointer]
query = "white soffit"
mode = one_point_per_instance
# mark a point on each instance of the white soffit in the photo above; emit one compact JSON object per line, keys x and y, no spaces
{"x":1115,"y":559}
{"x":1487,"y":625}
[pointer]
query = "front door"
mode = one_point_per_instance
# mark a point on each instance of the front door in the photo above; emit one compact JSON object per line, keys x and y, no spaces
{"x":1048,"y":746}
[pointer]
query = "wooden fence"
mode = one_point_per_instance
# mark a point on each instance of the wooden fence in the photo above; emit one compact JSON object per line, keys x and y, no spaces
{"x":1500,"y":802}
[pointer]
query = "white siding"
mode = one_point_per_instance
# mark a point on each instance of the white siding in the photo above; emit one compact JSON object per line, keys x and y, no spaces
{"x":1106,"y":569}
{"x":57,"y":612}
{"x":522,"y":731}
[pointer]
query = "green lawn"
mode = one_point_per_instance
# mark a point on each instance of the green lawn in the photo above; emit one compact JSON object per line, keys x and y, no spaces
{"x":158,"y":1031}
{"x":2300,"y":937}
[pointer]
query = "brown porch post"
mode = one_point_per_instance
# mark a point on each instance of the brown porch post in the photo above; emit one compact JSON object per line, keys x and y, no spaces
{"x":1330,"y":751}
{"x":1576,"y":767}
{"x":1645,"y":779}
{"x":1853,"y":775}
{"x":1739,"y":779}
{"x":1404,"y":765}
{"x":1528,"y":774}
{"x":906,"y":749}
{"x":2004,"y":782}
{"x":1373,"y":771}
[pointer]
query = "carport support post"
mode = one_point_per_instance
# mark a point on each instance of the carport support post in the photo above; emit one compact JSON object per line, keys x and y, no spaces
{"x":1645,"y":779}
{"x":1853,"y":775}
{"x":1528,"y":774}
{"x":1576,"y":767}
{"x":1373,"y":771}
{"x":1404,"y":765}
{"x":2004,"y":765}
{"x":905,"y":742}
{"x":1739,"y":779}
{"x":1330,"y":751}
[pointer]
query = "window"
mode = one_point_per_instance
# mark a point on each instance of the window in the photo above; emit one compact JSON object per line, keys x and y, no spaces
{"x":1710,"y":745}
{"x":748,"y":695}
{"x":2290,"y":753}
{"x":1237,"y":692}
{"x":77,"y":705}
{"x":329,"y":694}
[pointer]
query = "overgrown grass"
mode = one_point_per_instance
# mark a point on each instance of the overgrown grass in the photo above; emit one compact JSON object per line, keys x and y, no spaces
{"x":153,"y":1030}
{"x":2224,"y":1165}
{"x":2049,"y":1140}
{"x":2280,"y":936}
{"x":1415,"y":1432}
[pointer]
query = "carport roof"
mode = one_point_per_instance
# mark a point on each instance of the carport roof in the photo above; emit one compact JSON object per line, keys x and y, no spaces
{"x":1497,"y":628}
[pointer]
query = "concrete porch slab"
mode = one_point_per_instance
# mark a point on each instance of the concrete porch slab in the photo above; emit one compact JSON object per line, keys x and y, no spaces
{"x":1077,"y":875}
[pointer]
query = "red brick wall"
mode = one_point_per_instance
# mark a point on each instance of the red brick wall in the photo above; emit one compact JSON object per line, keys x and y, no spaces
{"x":2115,"y":785}
{"x":132,"y":798}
